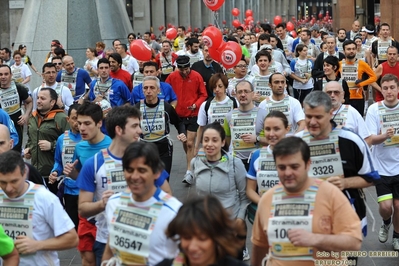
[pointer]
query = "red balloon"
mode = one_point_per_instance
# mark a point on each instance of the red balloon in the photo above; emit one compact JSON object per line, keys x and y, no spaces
{"x":161,"y":28}
{"x":320,"y":15}
{"x":140,"y":50}
{"x":171,"y":33}
{"x":236,"y":23}
{"x":257,"y":30}
{"x":153,"y":37}
{"x":213,"y":4}
{"x":293,"y":33}
{"x":248,"y":13}
{"x":250,"y":18}
{"x":293,"y":18}
{"x":290,"y":26}
{"x":235,"y":12}
{"x":170,"y":25}
{"x":277,"y":20}
{"x":215,"y":53}
{"x":212,"y":37}
{"x":231,"y":54}
{"x":224,"y":22}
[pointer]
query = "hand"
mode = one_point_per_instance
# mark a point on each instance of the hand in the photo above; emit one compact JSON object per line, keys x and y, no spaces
{"x":81,"y":100}
{"x":257,"y":97}
{"x":106,"y":195}
{"x":59,"y":102}
{"x":248,"y":138}
{"x":22,"y":120}
{"x":338,"y":181}
{"x":192,"y":107}
{"x":98,"y":98}
{"x":358,"y":81}
{"x":26,"y":245}
{"x":182,"y":137}
{"x":52,"y":178}
{"x":70,"y":167}
{"x":27,"y":154}
{"x":44,"y":145}
{"x":301,"y":238}
{"x":390,"y":132}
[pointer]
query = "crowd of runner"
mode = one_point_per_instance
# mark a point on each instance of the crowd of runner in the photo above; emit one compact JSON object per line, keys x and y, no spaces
{"x":286,"y":140}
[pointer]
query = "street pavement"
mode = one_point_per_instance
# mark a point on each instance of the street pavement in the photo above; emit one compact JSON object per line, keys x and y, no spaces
{"x":181,"y":191}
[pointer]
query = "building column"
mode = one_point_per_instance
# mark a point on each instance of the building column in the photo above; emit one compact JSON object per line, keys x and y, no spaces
{"x":195,"y":8}
{"x":141,"y":16}
{"x":172,"y":13}
{"x":389,"y":14}
{"x":206,"y":15}
{"x":272,"y":11}
{"x":344,"y":12}
{"x":158,"y":7}
{"x":184,"y":13}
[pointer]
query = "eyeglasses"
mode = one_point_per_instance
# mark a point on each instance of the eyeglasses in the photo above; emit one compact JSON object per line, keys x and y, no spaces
{"x":333,"y":92}
{"x":243,"y":92}
{"x":241,"y":66}
{"x":58,"y":63}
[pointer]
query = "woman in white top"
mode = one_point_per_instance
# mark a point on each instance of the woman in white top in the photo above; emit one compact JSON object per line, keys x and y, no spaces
{"x":20,"y":71}
{"x":208,"y":109}
{"x":91,"y":62}
{"x":259,"y":181}
{"x":301,"y":68}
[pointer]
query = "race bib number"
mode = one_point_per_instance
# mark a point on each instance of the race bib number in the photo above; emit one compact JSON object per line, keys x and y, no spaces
{"x":390,"y":120}
{"x":326,"y":160}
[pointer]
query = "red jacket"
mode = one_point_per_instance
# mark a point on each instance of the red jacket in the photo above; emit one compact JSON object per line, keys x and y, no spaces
{"x":189,"y":91}
{"x":124,"y":76}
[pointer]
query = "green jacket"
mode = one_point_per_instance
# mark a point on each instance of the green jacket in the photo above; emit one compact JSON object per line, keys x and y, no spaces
{"x":49,"y":128}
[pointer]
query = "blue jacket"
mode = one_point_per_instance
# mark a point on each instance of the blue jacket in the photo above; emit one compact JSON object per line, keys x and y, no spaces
{"x":166,"y":93}
{"x":6,"y":120}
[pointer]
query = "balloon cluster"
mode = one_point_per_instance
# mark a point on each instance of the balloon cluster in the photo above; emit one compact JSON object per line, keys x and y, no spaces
{"x":228,"y":53}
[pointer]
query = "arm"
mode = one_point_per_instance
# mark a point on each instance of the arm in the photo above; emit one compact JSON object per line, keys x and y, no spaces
{"x":366,"y":69}
{"x":107,"y":252}
{"x":26,"y":245}
{"x":240,"y":181}
{"x":198,"y":139}
{"x":23,"y":119}
{"x":258,"y":253}
{"x":202,"y":94}
{"x":339,"y":242}
{"x":349,"y":182}
{"x":58,"y":157}
{"x":166,"y":187}
{"x":251,"y":191}
{"x":89,"y":208}
{"x":301,"y":126}
{"x":26,"y":80}
{"x":11,"y":259}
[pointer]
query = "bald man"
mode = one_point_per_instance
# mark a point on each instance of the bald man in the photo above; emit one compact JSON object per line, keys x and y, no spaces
{"x":350,"y":35}
{"x":6,"y":144}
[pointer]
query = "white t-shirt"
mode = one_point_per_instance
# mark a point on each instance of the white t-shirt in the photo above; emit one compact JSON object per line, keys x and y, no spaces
{"x":296,"y":111}
{"x":233,"y":82}
{"x":161,"y":247}
{"x":255,"y":68}
{"x":386,"y":160}
{"x":93,"y":64}
{"x":193,"y":57}
{"x":203,"y":119}
{"x":129,"y":63}
{"x":23,"y":71}
{"x":300,"y":68}
{"x":355,"y":122}
{"x":49,"y":220}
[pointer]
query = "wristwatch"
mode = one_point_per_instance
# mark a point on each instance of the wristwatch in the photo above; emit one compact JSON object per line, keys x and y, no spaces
{"x":257,"y":139}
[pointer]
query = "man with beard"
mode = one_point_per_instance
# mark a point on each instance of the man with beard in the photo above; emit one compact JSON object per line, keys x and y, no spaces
{"x":190,"y":90}
{"x":192,"y":51}
{"x":341,"y":37}
{"x":166,"y":59}
{"x":207,"y":67}
{"x":391,"y":66}
{"x":45,"y":125}
{"x":115,"y":62}
{"x":6,"y":56}
{"x":357,"y":74}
